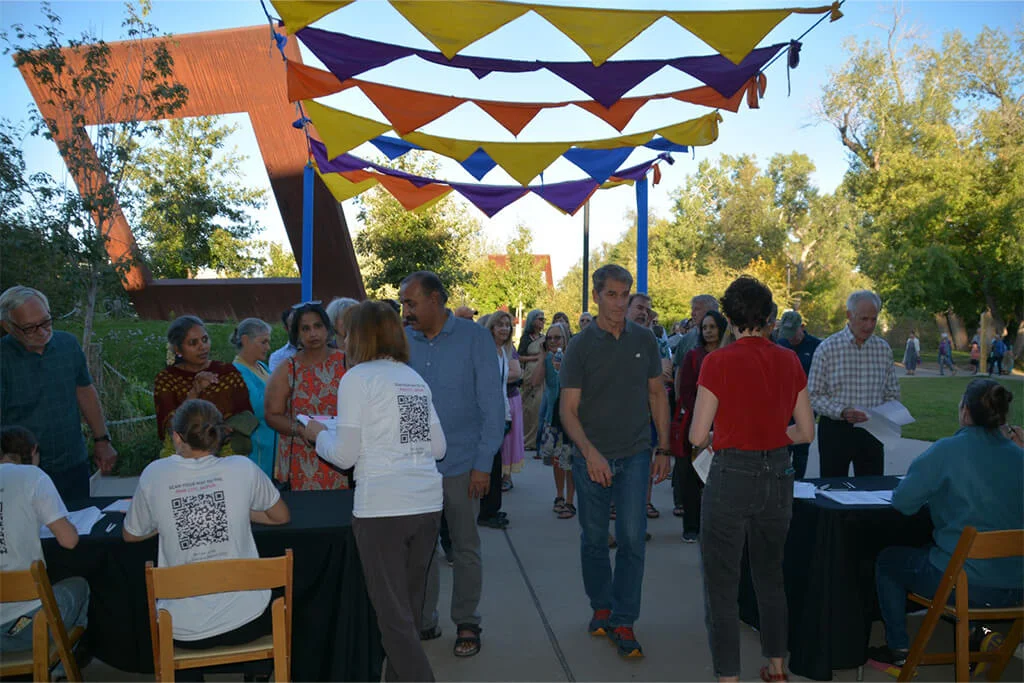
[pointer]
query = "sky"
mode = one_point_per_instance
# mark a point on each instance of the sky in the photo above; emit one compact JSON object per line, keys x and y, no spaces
{"x":784,"y":123}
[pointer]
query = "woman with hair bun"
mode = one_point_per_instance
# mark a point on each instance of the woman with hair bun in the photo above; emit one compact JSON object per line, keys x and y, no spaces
{"x":973,"y":478}
{"x":252,"y":340}
{"x":202,"y":507}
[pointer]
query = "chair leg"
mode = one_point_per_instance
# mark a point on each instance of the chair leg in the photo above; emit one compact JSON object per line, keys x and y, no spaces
{"x":1006,"y":651}
{"x":963,"y":650}
{"x":924,"y":635}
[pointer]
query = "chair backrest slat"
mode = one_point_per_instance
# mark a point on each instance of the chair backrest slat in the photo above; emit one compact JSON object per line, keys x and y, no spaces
{"x":17,"y":586}
{"x":219,"y":576}
{"x":992,"y":545}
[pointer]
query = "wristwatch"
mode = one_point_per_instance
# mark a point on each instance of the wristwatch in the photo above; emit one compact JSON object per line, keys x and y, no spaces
{"x":662,"y":451}
{"x":105,"y":437}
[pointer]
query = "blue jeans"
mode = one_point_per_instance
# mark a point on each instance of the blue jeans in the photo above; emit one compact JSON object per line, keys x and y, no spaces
{"x":72,"y":596}
{"x":619,"y":592}
{"x":900,"y":569}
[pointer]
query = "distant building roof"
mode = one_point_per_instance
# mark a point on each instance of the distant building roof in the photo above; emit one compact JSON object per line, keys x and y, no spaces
{"x":542,"y":260}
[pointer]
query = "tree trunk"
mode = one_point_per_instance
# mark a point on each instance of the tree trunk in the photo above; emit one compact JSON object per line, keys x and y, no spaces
{"x":90,"y":307}
{"x":1018,"y":343}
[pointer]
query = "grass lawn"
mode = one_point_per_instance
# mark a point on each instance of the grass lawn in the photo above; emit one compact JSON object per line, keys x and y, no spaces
{"x":934,"y":403}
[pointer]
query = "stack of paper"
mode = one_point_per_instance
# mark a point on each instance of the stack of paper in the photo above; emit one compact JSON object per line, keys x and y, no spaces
{"x":859,"y":497}
{"x":326,"y":420}
{"x":885,"y":421}
{"x":121,"y":505}
{"x":804,"y":489}
{"x":82,"y":520}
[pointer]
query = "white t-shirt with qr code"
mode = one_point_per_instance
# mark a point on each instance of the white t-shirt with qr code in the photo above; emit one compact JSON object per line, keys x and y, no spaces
{"x":388,"y":427}
{"x":200,"y":508}
{"x":28,"y":500}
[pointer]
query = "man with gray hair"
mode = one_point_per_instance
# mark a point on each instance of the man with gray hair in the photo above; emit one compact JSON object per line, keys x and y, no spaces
{"x":852,"y":370}
{"x":699,"y":307}
{"x":45,"y":386}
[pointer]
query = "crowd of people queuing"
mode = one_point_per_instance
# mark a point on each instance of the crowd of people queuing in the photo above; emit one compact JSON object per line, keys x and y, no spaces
{"x":434,"y":413}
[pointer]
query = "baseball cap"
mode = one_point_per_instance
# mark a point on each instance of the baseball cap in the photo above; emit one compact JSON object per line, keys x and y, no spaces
{"x":789,"y":324}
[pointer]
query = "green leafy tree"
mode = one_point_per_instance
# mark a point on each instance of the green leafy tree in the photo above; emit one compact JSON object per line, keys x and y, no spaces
{"x":191,"y":209}
{"x":395,"y":242}
{"x":935,"y":140}
{"x":81,"y":85}
{"x":517,"y":282}
{"x":279,"y":262}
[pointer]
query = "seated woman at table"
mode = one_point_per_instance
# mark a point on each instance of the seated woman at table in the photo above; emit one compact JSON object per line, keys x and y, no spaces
{"x":750,"y":389}
{"x":191,"y":373}
{"x":305,"y":384}
{"x":973,"y":478}
{"x":202,"y":507}
{"x":389,"y":431}
{"x":29,"y":500}
{"x":252,"y":340}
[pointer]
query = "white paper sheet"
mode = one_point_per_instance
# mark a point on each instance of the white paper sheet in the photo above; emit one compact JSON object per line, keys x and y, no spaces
{"x":886,"y":420}
{"x":325,"y":420}
{"x":844,"y":497}
{"x":82,"y":520}
{"x":804,"y":489}
{"x":702,"y":464}
{"x":119,"y":505}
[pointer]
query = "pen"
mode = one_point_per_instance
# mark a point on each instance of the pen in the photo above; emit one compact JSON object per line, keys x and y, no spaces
{"x":849,"y":485}
{"x":111,"y":528}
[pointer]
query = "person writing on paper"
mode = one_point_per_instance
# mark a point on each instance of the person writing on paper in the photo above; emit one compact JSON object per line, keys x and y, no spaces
{"x":389,"y":431}
{"x":852,"y":370}
{"x":305,"y":384}
{"x":749,"y":390}
{"x":29,"y":500}
{"x":202,"y":507}
{"x":973,"y":478}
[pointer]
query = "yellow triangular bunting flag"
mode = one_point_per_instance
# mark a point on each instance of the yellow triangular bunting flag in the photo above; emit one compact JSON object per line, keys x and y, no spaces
{"x":301,"y":13}
{"x":452,"y":25}
{"x":600,"y":32}
{"x":525,"y":160}
{"x":460,"y":150}
{"x":734,"y":33}
{"x":342,"y":131}
{"x":342,"y":188}
{"x":695,"y":132}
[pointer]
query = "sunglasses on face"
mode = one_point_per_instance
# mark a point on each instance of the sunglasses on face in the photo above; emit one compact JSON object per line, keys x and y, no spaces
{"x":314,"y":302}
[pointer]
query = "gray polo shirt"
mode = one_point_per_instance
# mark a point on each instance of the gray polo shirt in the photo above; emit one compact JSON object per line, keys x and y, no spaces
{"x":612,"y":375}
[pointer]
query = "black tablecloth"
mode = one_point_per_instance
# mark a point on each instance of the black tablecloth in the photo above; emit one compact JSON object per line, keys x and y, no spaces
{"x":334,"y":627}
{"x":830,"y":575}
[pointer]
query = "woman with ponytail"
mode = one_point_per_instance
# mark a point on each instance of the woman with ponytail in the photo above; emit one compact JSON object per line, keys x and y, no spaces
{"x":973,"y":478}
{"x":202,"y":507}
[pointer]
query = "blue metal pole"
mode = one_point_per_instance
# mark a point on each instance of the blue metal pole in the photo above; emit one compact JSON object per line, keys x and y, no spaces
{"x":307,"y":233}
{"x":641,"y":235}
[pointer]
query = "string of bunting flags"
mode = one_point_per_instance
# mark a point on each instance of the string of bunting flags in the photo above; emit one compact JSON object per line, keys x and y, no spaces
{"x":452,"y":25}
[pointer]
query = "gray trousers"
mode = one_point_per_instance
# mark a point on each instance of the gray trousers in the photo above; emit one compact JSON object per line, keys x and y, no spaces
{"x":748,"y":499}
{"x":395,"y":553}
{"x":461,"y":511}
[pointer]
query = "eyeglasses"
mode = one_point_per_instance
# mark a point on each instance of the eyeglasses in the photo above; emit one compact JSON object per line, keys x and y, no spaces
{"x":32,"y":329}
{"x":554,"y":337}
{"x":314,"y":302}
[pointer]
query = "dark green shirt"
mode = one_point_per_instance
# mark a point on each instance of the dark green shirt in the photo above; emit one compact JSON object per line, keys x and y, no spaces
{"x":39,"y":392}
{"x":612,"y":375}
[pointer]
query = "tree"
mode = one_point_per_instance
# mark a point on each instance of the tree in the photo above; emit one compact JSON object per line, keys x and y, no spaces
{"x":82,"y":85}
{"x":935,"y":141}
{"x":190,"y":208}
{"x":517,"y":282}
{"x":279,"y":262}
{"x":395,"y":242}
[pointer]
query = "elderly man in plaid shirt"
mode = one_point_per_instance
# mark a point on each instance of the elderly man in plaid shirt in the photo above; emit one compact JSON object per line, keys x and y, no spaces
{"x":852,"y":370}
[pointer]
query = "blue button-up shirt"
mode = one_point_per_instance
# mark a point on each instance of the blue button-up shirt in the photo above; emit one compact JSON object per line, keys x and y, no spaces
{"x":40,"y":393}
{"x":460,"y":368}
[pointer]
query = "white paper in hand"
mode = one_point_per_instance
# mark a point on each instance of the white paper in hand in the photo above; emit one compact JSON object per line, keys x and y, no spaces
{"x":886,"y":420}
{"x":702,"y":464}
{"x":326,"y":420}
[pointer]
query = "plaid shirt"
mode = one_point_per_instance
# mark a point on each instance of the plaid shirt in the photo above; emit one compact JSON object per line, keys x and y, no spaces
{"x":39,"y":392}
{"x":844,"y":375}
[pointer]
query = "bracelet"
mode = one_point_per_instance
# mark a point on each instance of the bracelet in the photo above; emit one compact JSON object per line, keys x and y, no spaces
{"x":105,"y":437}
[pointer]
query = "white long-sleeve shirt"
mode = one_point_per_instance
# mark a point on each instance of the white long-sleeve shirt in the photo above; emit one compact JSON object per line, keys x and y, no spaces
{"x":388,"y":430}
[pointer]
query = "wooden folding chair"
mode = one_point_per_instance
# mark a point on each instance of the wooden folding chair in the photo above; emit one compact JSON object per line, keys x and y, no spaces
{"x":221,"y":576}
{"x":971,"y":546}
{"x":31,"y":585}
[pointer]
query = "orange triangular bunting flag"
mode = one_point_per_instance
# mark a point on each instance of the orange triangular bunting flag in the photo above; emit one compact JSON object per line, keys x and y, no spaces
{"x":408,"y":110}
{"x":513,"y":116}
{"x":619,"y":114}
{"x":410,"y":196}
{"x":307,"y":83}
{"x":709,"y":97}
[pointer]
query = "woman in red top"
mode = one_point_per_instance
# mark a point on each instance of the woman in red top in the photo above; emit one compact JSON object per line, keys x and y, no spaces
{"x":749,"y":390}
{"x":713,"y":329}
{"x":305,"y":384}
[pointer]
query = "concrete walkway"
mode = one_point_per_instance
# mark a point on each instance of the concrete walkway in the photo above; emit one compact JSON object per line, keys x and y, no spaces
{"x":535,"y":612}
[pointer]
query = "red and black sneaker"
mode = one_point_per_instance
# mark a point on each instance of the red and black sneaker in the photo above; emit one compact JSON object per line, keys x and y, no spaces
{"x":625,"y":642}
{"x":599,"y":622}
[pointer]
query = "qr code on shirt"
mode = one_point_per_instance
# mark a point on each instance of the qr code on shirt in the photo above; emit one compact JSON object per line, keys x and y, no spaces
{"x":3,"y":538}
{"x":200,"y":520}
{"x":413,"y":418}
